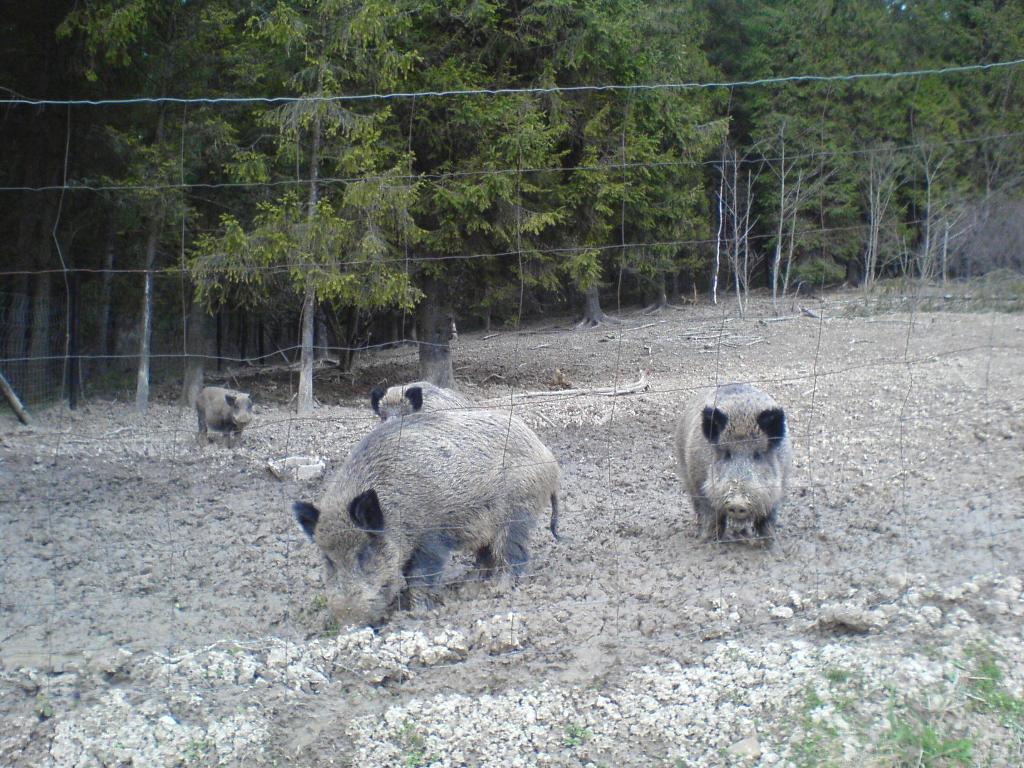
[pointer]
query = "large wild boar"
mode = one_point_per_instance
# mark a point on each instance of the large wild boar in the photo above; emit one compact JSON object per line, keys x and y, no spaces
{"x":413,"y":491}
{"x":223,"y":410}
{"x":734,"y":456}
{"x":406,"y":399}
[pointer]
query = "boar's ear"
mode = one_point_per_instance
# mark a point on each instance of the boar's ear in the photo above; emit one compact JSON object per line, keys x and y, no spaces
{"x":415,"y":397}
{"x":230,"y":400}
{"x":375,"y":397}
{"x":773,"y":422}
{"x":365,"y":512}
{"x":307,"y":515}
{"x":713,"y":421}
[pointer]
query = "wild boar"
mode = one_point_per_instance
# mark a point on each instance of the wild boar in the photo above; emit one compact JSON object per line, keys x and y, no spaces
{"x":415,"y":490}
{"x":406,"y":399}
{"x":223,"y":410}
{"x":734,"y":455}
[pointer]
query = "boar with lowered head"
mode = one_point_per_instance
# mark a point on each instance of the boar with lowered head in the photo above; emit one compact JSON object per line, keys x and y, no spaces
{"x":223,"y":410}
{"x":734,"y":456}
{"x":412,"y":492}
{"x":406,"y":399}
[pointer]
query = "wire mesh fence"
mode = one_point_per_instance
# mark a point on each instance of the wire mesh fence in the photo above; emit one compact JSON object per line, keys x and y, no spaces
{"x":163,"y":606}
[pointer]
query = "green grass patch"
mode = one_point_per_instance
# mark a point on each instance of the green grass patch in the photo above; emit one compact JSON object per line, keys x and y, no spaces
{"x":576,"y":735}
{"x":914,"y":741}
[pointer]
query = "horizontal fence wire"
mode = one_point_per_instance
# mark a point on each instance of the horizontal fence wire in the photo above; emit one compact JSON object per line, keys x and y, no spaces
{"x":124,"y":535}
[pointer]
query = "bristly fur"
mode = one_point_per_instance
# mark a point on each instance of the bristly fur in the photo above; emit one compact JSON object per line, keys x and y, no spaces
{"x":734,"y":455}
{"x":416,"y":397}
{"x":415,"y":489}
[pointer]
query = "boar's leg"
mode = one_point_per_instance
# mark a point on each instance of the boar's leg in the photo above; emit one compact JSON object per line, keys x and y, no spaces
{"x":710,"y":524}
{"x":511,"y":546}
{"x":424,"y":568}
{"x":764,"y":528}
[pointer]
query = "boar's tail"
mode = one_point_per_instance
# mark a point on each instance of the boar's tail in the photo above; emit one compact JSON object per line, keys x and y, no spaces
{"x":554,"y":515}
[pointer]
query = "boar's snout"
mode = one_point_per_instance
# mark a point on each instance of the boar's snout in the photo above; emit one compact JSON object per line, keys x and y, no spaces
{"x":242,"y":414}
{"x":357,"y":607}
{"x":738,"y":507}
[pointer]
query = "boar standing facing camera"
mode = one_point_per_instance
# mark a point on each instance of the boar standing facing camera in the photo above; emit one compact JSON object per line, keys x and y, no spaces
{"x":734,"y":455}
{"x":223,"y":410}
{"x":412,"y":492}
{"x":406,"y":399}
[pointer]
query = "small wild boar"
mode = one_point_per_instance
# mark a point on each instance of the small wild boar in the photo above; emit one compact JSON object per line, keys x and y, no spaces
{"x":412,"y":492}
{"x":406,"y":399}
{"x":734,"y":456}
{"x":223,"y":410}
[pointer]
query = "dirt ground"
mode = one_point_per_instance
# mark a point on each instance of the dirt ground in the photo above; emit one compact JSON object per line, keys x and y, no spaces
{"x":139,"y":571}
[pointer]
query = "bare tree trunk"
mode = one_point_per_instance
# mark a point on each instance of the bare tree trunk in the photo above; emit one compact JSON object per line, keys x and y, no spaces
{"x":195,"y":349}
{"x":106,"y":289}
{"x":661,"y":291}
{"x":146,"y":321}
{"x":777,"y":259}
{"x":305,"y":404}
{"x":435,"y":339}
{"x":306,"y":366}
{"x":718,"y":240}
{"x":39,"y":344}
{"x":73,"y":370}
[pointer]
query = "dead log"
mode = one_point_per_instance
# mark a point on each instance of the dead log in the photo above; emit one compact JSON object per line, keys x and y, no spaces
{"x":12,"y":399}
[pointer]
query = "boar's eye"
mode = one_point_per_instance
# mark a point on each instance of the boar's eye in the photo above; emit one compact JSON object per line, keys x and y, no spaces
{"x":725,"y":454}
{"x":758,"y":456}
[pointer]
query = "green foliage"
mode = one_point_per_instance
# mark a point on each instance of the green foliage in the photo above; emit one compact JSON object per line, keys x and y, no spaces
{"x":819,"y":273}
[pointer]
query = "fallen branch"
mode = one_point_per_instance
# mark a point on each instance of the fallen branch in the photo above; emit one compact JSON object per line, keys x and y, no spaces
{"x":766,"y":320}
{"x":322,"y":364}
{"x":14,"y":402}
{"x":640,"y":385}
{"x":646,"y":325}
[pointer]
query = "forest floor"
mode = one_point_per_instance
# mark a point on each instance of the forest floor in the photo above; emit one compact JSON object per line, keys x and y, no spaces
{"x":160,"y":606}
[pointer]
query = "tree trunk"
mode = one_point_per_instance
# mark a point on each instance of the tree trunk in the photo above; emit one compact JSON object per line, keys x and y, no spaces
{"x":39,"y":343}
{"x":106,"y":289}
{"x":777,"y":258}
{"x":306,"y":367}
{"x":435,"y":339}
{"x":660,"y":298}
{"x":195,"y":350}
{"x":146,"y":321}
{"x":243,"y":336}
{"x":593,"y":315}
{"x":718,"y":240}
{"x":305,"y":404}
{"x":73,"y":369}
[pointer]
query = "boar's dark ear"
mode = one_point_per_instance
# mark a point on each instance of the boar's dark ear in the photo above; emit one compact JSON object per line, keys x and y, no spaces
{"x":773,"y":422}
{"x":415,"y":397}
{"x":307,"y":515}
{"x":365,"y":512}
{"x":230,"y":400}
{"x":375,"y":397}
{"x":713,"y":421}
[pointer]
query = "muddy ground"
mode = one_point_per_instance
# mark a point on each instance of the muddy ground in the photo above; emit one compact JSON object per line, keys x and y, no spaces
{"x":159,"y":604}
